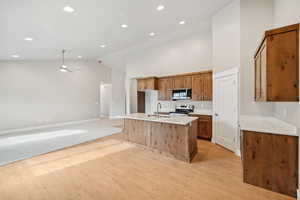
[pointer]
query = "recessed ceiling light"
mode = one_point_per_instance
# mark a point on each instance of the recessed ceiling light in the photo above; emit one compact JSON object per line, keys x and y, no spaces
{"x":29,"y":39}
{"x":160,"y":7}
{"x":103,"y":46}
{"x":69,"y":9}
{"x":79,"y":57}
{"x":15,"y":56}
{"x":152,"y":34}
{"x":124,"y":26}
{"x":182,"y":22}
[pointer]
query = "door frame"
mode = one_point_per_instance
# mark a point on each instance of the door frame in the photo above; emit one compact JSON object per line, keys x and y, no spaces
{"x":217,"y":75}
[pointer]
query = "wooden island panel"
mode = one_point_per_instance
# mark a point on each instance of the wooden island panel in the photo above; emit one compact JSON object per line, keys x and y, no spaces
{"x":178,"y":141}
{"x":139,"y":131}
{"x":271,"y":161}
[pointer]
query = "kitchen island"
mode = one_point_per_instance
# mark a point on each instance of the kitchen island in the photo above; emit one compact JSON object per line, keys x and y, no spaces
{"x":174,"y":136}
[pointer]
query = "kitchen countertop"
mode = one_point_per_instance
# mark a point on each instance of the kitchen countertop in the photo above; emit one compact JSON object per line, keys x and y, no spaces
{"x":202,"y":112}
{"x":267,"y":125}
{"x":180,"y":120}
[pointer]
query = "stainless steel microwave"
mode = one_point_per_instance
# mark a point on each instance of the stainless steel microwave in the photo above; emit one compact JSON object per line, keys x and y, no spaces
{"x":182,"y":94}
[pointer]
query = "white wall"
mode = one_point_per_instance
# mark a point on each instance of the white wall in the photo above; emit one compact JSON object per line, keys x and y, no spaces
{"x":188,"y":54}
{"x":118,"y":93}
{"x":105,"y":99}
{"x":36,"y":93}
{"x":237,"y":30}
{"x":286,"y":13}
{"x":256,"y":17}
{"x":226,"y":37}
{"x":191,"y":53}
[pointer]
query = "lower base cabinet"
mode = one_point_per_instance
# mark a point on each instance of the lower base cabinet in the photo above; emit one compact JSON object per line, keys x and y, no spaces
{"x":270,"y":161}
{"x":204,"y":126}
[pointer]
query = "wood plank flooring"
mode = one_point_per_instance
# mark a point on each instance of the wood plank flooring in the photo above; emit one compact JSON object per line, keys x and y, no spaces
{"x":111,"y":169}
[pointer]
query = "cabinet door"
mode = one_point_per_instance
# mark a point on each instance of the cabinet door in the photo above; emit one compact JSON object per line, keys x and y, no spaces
{"x":207,"y":87}
{"x":283,"y":66}
{"x":164,"y":89}
{"x":205,"y":127}
{"x":263,"y":73}
{"x":182,"y":82}
{"x":257,"y":77}
{"x":141,"y":84}
{"x":197,"y":88}
{"x":178,"y":82}
{"x":188,"y":82}
{"x":151,"y":84}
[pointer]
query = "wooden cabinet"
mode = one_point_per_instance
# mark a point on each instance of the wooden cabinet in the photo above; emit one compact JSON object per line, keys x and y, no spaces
{"x":270,"y":161}
{"x":178,"y":141}
{"x":164,"y":89}
{"x":147,"y":84}
{"x":204,"y":126}
{"x":202,"y":87}
{"x":200,"y":83}
{"x":182,"y":82}
{"x":277,"y":65}
{"x":137,"y":131}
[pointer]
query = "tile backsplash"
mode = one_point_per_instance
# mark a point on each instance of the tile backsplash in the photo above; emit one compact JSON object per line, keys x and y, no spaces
{"x":167,"y":106}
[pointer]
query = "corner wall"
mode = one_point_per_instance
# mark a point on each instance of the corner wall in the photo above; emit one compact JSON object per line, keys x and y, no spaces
{"x":226,"y":37}
{"x":256,"y":18}
{"x":286,"y":13}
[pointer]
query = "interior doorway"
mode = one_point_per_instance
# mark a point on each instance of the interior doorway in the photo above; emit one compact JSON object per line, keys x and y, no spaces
{"x":105,"y":99}
{"x":226,"y":109}
{"x":141,"y":102}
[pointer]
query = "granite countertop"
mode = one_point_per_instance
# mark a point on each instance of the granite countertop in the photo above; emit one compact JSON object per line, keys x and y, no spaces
{"x":179,"y":120}
{"x":202,"y":112}
{"x":267,"y":125}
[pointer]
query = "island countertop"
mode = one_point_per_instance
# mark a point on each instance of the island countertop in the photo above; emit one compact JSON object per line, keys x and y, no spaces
{"x":267,"y":125}
{"x":179,"y":120}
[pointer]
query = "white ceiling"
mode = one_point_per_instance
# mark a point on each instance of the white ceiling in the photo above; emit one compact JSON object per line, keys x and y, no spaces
{"x":93,"y":23}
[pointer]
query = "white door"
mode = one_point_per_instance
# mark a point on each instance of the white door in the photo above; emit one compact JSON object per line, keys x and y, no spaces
{"x":226,"y":106}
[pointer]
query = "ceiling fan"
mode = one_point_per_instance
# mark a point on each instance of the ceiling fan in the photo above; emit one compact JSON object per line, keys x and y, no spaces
{"x":63,"y":67}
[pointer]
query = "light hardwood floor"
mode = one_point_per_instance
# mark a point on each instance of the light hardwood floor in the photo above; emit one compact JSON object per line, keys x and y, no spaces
{"x":109,"y":169}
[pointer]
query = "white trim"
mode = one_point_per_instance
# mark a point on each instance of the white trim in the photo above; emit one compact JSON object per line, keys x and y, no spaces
{"x":298,"y":194}
{"x":229,"y":72}
{"x":47,"y":126}
{"x":238,"y":152}
{"x":116,"y":117}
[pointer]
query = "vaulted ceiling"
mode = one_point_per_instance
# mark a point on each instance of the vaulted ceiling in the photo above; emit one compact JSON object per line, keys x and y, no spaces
{"x":92,"y":24}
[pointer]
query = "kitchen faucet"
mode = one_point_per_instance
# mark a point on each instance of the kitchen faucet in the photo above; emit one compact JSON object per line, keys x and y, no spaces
{"x":158,"y":106}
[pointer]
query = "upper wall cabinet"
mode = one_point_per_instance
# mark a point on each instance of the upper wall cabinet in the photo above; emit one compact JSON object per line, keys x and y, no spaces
{"x":147,"y":84}
{"x":202,"y":87}
{"x":277,"y":65}
{"x":164,"y":89}
{"x":199,"y":82}
{"x":182,"y":82}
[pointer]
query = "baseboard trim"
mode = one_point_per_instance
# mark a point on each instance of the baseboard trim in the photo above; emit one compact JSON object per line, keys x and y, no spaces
{"x":116,"y":117}
{"x":238,"y":152}
{"x":32,"y":128}
{"x":213,"y":140}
